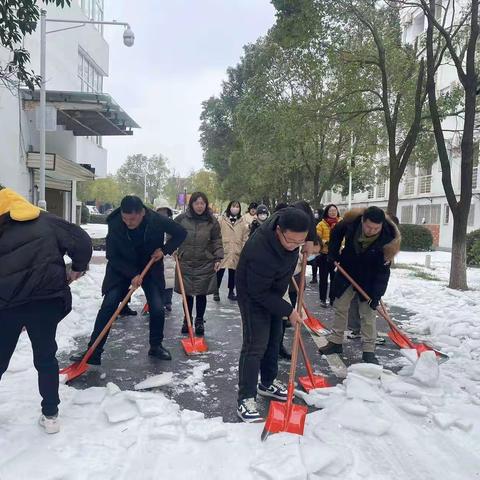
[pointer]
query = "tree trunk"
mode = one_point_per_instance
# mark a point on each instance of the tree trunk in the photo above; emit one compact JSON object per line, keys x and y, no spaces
{"x":393,"y":187}
{"x":458,"y":270}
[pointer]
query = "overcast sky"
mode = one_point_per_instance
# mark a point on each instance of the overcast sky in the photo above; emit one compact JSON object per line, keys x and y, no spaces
{"x":182,"y":50}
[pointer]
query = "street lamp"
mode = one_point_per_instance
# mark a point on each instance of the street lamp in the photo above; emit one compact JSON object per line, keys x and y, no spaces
{"x":128,"y":40}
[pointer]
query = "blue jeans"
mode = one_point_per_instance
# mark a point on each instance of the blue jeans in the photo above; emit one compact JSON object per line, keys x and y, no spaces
{"x":111,"y":300}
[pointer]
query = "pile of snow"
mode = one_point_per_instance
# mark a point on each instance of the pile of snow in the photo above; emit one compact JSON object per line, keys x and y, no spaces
{"x":421,"y":423}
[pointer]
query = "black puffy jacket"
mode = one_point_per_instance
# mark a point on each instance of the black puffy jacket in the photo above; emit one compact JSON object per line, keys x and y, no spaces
{"x":31,"y":259}
{"x":370,"y":268}
{"x":264,"y":271}
{"x":124,"y":263}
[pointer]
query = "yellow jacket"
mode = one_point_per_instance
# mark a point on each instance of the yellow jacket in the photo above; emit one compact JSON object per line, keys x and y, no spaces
{"x":323,"y":232}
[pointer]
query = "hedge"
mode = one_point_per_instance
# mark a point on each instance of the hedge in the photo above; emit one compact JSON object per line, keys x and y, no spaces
{"x":99,"y":243}
{"x":95,"y":218}
{"x":473,"y":248}
{"x":415,"y":238}
{"x":85,"y":215}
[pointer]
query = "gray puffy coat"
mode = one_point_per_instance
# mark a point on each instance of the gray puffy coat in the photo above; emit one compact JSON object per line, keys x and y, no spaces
{"x":199,"y":252}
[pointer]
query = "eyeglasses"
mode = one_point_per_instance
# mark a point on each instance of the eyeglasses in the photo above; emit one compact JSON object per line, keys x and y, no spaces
{"x":290,"y":242}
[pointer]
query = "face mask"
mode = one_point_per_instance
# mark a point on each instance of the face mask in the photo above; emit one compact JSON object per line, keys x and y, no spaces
{"x":262,"y":217}
{"x":234,"y":211}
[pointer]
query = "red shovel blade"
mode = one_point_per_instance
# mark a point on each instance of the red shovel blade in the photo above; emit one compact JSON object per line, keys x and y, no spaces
{"x":310,"y":383}
{"x":283,"y":419}
{"x":315,"y":325}
{"x":74,"y":370}
{"x":194,"y":345}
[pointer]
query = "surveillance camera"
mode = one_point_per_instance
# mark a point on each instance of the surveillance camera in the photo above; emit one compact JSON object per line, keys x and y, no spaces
{"x":128,"y":37}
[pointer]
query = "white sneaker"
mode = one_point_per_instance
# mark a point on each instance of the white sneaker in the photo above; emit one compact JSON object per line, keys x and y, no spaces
{"x":50,"y":424}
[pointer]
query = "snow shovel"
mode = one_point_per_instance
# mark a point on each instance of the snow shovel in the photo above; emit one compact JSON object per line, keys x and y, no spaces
{"x":78,"y":368}
{"x":312,"y":323}
{"x":396,"y":335}
{"x":192,"y":345}
{"x":288,"y":417}
{"x":310,"y":381}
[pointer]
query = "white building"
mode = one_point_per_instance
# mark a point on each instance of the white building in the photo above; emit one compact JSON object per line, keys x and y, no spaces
{"x":79,"y":113}
{"x":421,"y":196}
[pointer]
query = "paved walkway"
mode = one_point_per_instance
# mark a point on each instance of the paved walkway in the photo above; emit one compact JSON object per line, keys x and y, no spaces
{"x":208,"y":382}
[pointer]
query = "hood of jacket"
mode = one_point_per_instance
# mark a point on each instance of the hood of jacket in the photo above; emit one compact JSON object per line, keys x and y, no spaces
{"x":390,"y":237}
{"x":19,"y":209}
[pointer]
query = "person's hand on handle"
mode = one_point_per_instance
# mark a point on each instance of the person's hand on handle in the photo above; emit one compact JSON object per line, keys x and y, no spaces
{"x":157,"y":255}
{"x":216,"y":267}
{"x":72,"y":276}
{"x":137,"y":281}
{"x":295,"y":317}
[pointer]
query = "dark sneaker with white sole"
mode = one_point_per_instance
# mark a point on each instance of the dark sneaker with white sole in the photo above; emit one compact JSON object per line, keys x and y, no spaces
{"x":247,"y":411}
{"x":94,"y":360}
{"x":330,"y":348}
{"x":276,"y":390}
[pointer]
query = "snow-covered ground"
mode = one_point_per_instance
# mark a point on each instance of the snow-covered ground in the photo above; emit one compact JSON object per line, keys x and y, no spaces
{"x":95,"y":230}
{"x":423,"y":423}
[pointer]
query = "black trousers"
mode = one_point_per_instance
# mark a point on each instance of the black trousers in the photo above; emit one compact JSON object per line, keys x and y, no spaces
{"x":40,"y":319}
{"x":111,"y":300}
{"x":261,"y":342}
{"x":231,"y":278}
{"x":326,"y":270}
{"x":201,"y":305}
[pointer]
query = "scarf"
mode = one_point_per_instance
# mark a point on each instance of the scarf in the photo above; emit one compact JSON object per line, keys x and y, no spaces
{"x":233,"y":218}
{"x":331,"y":221}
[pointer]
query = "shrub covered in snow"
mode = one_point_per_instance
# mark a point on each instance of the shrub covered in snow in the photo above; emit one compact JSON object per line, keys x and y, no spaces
{"x":415,"y":238}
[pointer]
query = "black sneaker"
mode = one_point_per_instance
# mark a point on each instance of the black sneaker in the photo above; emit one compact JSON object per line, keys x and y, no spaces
{"x":95,"y":359}
{"x":330,"y":348}
{"x":159,"y":352}
{"x":216,"y":297}
{"x":313,"y":281}
{"x":323,"y":304}
{"x":199,"y":327}
{"x":184,"y":327}
{"x":127,"y":312}
{"x":247,"y":411}
{"x":276,"y":390}
{"x":369,"y":357}
{"x":232,"y":296}
{"x":168,"y":307}
{"x":284,"y":353}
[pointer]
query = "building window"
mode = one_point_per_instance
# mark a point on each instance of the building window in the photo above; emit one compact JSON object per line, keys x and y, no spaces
{"x":370,"y":192}
{"x":409,"y":180}
{"x":328,"y":196}
{"x":381,"y":186}
{"x":471,"y":216}
{"x":93,"y":10}
{"x":91,"y":79}
{"x":407,"y":214}
{"x":428,"y":214}
{"x":425,"y":180}
{"x":446,"y":214}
